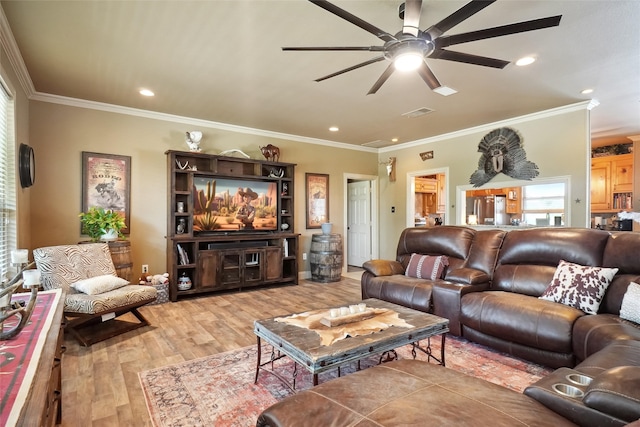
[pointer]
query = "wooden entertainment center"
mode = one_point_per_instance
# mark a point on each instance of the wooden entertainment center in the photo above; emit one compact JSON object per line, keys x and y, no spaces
{"x":228,"y":254}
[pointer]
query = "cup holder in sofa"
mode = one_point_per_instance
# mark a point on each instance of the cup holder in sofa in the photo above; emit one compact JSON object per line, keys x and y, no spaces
{"x":568,"y":390}
{"x":579,"y":379}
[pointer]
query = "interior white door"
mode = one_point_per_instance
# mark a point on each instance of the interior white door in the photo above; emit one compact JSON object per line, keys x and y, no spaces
{"x":359,"y":222}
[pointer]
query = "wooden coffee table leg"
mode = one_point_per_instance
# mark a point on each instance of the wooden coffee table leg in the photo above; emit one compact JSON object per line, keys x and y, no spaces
{"x":315,"y":380}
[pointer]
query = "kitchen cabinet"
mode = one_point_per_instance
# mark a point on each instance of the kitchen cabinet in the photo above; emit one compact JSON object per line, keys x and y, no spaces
{"x":611,"y":183}
{"x":426,"y":185}
{"x":514,"y":200}
{"x":440,"y":196}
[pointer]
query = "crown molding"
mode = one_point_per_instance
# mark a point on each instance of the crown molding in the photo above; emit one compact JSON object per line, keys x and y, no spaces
{"x":10,"y":46}
{"x":583,"y":105}
{"x":118,"y":109}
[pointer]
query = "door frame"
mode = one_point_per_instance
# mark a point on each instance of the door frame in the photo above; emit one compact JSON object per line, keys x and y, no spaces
{"x":373,"y":179}
{"x":411,"y":193}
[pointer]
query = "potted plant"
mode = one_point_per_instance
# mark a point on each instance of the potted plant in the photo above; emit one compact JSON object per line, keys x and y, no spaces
{"x":102,"y":224}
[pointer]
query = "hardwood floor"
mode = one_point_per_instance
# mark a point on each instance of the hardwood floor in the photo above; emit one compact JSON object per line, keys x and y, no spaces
{"x":100,"y":385}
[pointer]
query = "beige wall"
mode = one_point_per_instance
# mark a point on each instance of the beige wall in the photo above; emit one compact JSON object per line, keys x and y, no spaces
{"x":59,"y":134}
{"x":558,"y":143}
{"x":21,"y":114}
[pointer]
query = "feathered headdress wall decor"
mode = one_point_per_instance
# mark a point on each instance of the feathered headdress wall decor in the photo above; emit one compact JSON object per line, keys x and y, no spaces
{"x":502,"y":152}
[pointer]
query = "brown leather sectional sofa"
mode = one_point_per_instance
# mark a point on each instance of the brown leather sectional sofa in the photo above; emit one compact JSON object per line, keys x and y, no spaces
{"x":490,"y":295}
{"x":491,"y":287}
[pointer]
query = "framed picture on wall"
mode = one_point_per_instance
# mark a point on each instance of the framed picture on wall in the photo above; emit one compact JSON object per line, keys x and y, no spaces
{"x":317,"y":197}
{"x":106,"y":183}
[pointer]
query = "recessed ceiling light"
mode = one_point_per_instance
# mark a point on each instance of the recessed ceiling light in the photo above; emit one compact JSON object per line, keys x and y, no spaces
{"x":587,"y":91}
{"x":527,"y":60}
{"x":394,"y":139}
{"x":445,"y":90}
{"x":146,"y":92}
{"x":334,"y":128}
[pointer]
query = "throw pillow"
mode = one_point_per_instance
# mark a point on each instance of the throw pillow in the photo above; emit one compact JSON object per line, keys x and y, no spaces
{"x":630,"y":309}
{"x":579,"y":286}
{"x":426,"y":266}
{"x":99,"y":284}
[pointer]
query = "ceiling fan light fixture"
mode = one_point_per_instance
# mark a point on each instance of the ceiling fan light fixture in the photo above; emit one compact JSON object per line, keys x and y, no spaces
{"x":408,"y":61}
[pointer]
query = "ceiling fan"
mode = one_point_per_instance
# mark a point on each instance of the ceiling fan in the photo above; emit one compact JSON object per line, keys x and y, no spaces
{"x":409,"y":48}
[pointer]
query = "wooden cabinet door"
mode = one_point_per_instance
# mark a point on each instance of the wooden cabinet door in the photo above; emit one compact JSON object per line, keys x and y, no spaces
{"x":600,"y":185}
{"x":622,"y":174}
{"x":273,"y":268}
{"x":208,"y":269}
{"x":514,"y":200}
{"x":440,"y":194}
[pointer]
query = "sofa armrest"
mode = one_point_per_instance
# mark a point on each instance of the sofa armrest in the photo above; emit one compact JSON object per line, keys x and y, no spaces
{"x":616,"y":392}
{"x":446,"y":298}
{"x":467,"y":276}
{"x":570,"y":407}
{"x":381,"y":267}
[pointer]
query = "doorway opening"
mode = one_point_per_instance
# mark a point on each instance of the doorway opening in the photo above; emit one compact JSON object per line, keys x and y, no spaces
{"x":428,"y":197}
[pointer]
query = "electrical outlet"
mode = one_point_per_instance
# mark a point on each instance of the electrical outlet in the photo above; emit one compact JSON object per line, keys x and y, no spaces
{"x":304,"y":255}
{"x":145,"y":268}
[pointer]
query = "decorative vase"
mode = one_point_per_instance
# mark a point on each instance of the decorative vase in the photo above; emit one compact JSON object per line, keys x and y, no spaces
{"x":109,"y":236}
{"x":326,"y":228}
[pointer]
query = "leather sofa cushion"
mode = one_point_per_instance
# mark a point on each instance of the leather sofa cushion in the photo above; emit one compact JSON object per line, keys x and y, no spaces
{"x":528,"y":258}
{"x":521,"y":319}
{"x":409,"y":392}
{"x":400,"y":289}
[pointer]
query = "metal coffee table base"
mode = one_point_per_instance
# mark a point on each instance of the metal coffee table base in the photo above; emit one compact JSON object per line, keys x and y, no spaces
{"x":385,"y":357}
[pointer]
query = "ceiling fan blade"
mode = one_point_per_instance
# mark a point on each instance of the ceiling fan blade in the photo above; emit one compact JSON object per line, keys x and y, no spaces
{"x":383,"y":78}
{"x":338,"y":48}
{"x":457,"y":17}
{"x":428,"y":76}
{"x":467,"y":58}
{"x":411,"y":23}
{"x":330,"y":7}
{"x":354,"y":67}
{"x":504,"y":30}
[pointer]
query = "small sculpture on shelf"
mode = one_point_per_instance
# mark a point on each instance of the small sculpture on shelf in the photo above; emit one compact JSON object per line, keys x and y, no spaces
{"x":182,"y":226}
{"x":193,"y":140}
{"x":271,"y":152}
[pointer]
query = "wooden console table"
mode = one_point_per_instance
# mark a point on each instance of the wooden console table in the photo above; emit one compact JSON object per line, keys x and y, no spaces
{"x":30,"y":366}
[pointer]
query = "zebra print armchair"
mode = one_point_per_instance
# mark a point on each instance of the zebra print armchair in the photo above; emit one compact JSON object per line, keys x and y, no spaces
{"x":97,"y":302}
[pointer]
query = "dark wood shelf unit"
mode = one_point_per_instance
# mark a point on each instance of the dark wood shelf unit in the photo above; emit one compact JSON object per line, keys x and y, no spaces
{"x":235,"y":259}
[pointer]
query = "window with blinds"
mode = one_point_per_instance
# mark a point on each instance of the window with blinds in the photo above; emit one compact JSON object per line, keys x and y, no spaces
{"x":7,"y":183}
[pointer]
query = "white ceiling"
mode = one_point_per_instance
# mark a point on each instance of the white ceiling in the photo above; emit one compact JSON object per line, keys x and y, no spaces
{"x":222,"y":61}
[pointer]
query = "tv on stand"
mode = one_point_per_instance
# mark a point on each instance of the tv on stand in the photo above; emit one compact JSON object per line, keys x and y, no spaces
{"x":234,"y":205}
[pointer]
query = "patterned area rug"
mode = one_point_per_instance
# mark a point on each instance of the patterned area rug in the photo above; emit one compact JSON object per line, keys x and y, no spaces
{"x":219,"y":390}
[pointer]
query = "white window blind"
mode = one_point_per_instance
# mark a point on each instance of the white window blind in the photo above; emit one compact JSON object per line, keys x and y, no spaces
{"x":7,"y":183}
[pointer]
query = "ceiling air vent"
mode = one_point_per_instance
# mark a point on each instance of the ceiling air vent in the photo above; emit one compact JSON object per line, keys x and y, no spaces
{"x":417,"y":113}
{"x":377,"y":144}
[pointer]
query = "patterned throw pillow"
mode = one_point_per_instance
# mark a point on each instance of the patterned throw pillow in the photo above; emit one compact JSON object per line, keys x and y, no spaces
{"x":99,"y":284}
{"x":630,"y":309}
{"x":579,"y":286}
{"x":426,"y":266}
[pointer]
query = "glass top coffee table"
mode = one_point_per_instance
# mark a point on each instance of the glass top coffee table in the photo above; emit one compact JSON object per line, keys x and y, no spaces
{"x":304,"y":345}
